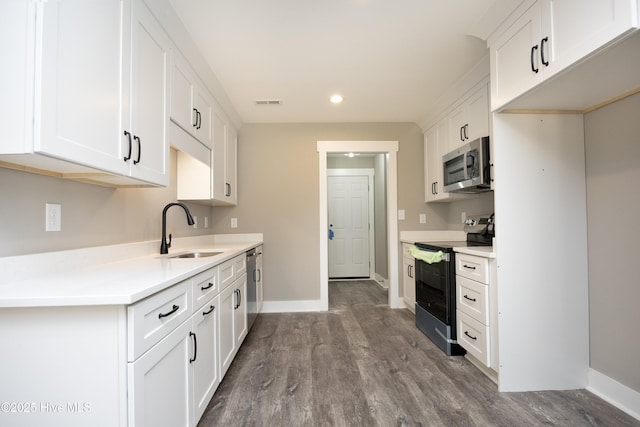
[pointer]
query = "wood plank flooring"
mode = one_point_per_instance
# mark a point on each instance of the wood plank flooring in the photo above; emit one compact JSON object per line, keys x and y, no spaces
{"x":363,"y":364}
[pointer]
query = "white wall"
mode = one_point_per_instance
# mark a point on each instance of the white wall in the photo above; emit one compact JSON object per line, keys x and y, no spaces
{"x":91,"y":215}
{"x":612,"y":143}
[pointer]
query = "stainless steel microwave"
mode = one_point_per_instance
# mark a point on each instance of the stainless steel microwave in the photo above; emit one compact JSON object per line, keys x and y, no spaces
{"x":467,"y":169}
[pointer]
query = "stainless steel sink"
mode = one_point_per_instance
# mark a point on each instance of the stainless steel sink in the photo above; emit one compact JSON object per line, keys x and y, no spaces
{"x":202,"y":254}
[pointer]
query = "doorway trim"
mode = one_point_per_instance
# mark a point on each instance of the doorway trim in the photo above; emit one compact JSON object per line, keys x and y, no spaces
{"x":369,"y":173}
{"x":390,"y":149}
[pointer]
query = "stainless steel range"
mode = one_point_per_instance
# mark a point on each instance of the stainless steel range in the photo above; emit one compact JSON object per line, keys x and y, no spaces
{"x":436,"y":285}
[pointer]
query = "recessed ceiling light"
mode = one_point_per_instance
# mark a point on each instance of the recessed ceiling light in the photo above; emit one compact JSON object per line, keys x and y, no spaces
{"x":336,"y":99}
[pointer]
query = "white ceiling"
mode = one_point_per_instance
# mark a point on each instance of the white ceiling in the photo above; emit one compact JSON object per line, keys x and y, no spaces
{"x":389,"y":59}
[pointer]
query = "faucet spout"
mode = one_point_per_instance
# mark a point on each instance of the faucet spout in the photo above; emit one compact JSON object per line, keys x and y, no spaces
{"x":164,"y":246}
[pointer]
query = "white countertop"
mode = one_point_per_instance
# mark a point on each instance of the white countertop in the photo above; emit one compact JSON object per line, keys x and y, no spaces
{"x":447,"y":235}
{"x":483,"y":251}
{"x":109,"y":275}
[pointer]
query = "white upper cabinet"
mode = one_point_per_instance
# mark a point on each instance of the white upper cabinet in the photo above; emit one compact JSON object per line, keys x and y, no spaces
{"x":548,"y":37}
{"x":470,"y":120}
{"x":191,"y":104}
{"x":148,"y":111}
{"x":436,"y":145}
{"x":210,"y":179}
{"x":225,"y":145}
{"x":572,"y":29}
{"x":80,"y":94}
{"x":514,"y":60}
{"x":99,"y":83}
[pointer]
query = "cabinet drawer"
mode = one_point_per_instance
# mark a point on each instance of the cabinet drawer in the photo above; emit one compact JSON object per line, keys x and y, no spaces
{"x":205,"y":286}
{"x":153,"y":318}
{"x":405,"y":251}
{"x":472,"y":267}
{"x":474,"y":337}
{"x":472,"y":298}
{"x":232,"y":269}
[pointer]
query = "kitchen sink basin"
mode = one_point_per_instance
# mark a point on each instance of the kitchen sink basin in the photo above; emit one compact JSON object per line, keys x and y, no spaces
{"x":202,"y":254}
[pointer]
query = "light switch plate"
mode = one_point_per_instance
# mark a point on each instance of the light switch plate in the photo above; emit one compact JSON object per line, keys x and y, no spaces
{"x":401,"y":214}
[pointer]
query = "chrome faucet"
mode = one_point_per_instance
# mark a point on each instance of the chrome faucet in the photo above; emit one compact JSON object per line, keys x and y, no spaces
{"x":164,"y":246}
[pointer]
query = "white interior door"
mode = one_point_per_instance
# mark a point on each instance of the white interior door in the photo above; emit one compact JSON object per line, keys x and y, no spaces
{"x":348,"y":206}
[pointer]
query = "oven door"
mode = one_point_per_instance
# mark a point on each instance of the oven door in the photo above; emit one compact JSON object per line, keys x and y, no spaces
{"x":433,"y":288}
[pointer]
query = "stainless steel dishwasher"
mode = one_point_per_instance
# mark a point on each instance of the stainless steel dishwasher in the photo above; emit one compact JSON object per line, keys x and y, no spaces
{"x":252,"y":286}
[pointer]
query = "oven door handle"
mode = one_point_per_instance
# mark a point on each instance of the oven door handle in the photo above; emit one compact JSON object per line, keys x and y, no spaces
{"x":450,"y":341}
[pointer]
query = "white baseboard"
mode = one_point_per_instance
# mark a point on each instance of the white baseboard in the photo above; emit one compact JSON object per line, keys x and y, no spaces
{"x":291,"y":306}
{"x":384,"y":283}
{"x":617,"y":394}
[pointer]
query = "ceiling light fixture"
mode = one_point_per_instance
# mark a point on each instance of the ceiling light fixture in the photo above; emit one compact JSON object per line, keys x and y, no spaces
{"x":336,"y":99}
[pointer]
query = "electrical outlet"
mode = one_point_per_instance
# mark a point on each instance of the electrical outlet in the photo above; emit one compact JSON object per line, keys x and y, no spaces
{"x":423,"y":218}
{"x":401,"y":214}
{"x":206,"y":222}
{"x":53,"y":217}
{"x":195,"y":222}
{"x":234,"y":222}
{"x":464,"y":217}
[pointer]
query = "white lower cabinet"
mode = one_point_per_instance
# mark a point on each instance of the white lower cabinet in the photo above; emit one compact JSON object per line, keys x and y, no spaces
{"x":408,"y":278}
{"x":159,"y":387}
{"x":233,"y":321}
{"x":172,"y":383}
{"x":205,"y":369}
{"x":153,"y":363}
{"x":476,"y":308}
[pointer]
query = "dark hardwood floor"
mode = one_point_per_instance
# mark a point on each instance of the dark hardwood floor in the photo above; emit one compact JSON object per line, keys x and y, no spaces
{"x":363,"y":364}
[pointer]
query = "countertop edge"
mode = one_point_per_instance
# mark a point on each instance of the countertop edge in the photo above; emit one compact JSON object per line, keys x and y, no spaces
{"x":117,"y":282}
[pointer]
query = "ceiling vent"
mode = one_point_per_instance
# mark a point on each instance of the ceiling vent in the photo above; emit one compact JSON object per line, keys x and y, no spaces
{"x":268,"y":102}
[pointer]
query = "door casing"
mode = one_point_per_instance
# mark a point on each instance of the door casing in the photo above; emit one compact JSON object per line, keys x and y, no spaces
{"x":390,"y":148}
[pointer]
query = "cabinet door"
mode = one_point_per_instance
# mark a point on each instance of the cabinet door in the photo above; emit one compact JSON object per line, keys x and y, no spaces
{"x":226,"y":332}
{"x":458,"y":128}
{"x":437,"y":145}
{"x":477,"y":108}
{"x":515,"y":58}
{"x":149,"y":95}
{"x":81,"y":76}
{"x":259,"y":280}
{"x":182,"y":94}
{"x":203,"y":104}
{"x":17,"y":41}
{"x":240,"y":313}
{"x":409,"y":283}
{"x":573,"y":30}
{"x":218,"y":155}
{"x":231,"y":158}
{"x":158,"y":383}
{"x":205,"y":366}
{"x":432,"y":161}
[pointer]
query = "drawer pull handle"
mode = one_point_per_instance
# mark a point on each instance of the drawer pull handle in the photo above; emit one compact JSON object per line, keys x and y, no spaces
{"x":467,"y":334}
{"x":209,"y":286}
{"x":211,"y":308}
{"x":173,"y":310}
{"x":470,"y":267}
{"x":195,"y":347}
{"x":470,"y":299}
